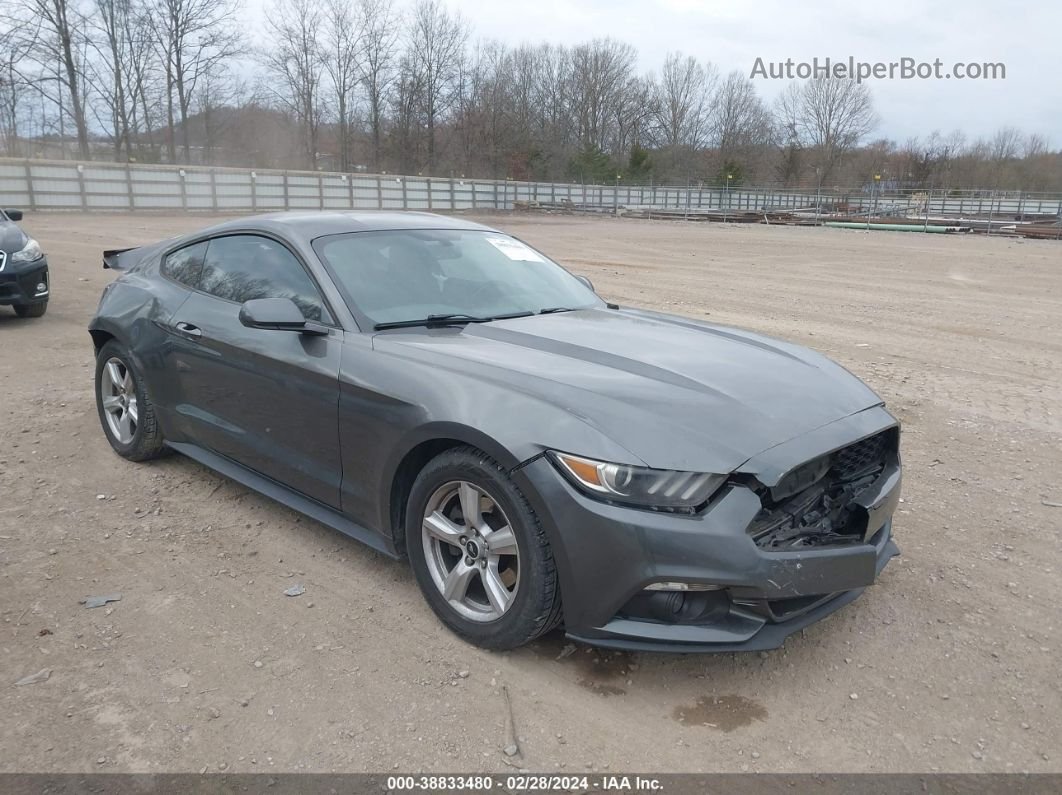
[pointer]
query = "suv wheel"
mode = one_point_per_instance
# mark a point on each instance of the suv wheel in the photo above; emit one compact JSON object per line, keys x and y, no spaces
{"x":31,"y":310}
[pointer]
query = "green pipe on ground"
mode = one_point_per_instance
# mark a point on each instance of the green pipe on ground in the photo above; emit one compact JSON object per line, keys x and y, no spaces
{"x":895,"y":227}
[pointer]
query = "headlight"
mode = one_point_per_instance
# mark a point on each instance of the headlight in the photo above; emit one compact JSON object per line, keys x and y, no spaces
{"x":665,"y":489}
{"x":31,"y":252}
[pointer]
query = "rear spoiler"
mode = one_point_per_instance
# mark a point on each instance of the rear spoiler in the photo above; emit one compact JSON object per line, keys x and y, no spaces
{"x":119,"y":259}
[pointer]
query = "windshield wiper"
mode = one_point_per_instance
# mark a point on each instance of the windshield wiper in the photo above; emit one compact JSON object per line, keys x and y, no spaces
{"x":432,"y":320}
{"x":454,"y":318}
{"x":552,"y":309}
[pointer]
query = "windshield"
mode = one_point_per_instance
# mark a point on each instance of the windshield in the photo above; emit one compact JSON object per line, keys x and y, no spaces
{"x":409,"y":274}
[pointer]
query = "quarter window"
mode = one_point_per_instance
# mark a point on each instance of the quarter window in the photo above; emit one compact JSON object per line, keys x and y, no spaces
{"x":243,"y":267}
{"x":185,"y":264}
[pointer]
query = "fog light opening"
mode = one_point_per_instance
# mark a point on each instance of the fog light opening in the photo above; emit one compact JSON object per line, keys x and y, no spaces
{"x":683,"y":586}
{"x":668,"y":606}
{"x":683,"y":603}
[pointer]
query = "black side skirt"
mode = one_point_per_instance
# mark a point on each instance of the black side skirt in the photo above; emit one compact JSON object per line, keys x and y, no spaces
{"x":287,"y":497}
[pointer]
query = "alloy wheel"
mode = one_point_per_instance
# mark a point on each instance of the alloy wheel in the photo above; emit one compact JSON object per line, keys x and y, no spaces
{"x":471,"y":551}
{"x":118,"y":396}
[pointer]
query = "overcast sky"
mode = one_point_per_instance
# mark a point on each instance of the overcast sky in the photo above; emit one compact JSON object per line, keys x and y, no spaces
{"x":1023,"y":35}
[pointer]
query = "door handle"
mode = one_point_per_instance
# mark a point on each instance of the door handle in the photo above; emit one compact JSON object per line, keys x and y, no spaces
{"x":188,"y":331}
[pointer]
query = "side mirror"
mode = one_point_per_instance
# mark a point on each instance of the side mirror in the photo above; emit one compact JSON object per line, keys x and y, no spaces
{"x":278,"y":314}
{"x":13,"y":214}
{"x":587,"y":282}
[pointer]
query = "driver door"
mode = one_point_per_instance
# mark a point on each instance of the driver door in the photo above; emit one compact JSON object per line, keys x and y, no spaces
{"x":267,"y":399}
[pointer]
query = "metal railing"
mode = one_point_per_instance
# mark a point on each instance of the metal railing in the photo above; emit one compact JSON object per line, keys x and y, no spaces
{"x":97,"y":186}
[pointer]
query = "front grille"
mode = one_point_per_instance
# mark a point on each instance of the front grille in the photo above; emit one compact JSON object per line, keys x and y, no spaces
{"x":852,"y":461}
{"x":813,"y":505}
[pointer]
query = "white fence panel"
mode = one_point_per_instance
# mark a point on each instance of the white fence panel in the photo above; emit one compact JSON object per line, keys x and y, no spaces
{"x":61,"y":185}
{"x":269,"y":191}
{"x":416,"y":193}
{"x":15,"y":185}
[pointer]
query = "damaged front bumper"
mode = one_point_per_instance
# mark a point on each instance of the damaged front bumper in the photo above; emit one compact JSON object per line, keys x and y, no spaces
{"x":739,"y":596}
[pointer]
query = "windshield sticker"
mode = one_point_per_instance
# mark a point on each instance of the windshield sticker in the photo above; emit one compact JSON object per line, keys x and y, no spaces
{"x":514,"y":249}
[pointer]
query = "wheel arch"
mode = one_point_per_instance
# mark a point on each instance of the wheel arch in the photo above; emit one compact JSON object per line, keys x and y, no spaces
{"x":428,"y":443}
{"x":103,"y":329}
{"x":100,"y":337}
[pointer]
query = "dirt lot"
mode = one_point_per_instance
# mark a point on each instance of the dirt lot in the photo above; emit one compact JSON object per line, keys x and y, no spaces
{"x":950,"y":663}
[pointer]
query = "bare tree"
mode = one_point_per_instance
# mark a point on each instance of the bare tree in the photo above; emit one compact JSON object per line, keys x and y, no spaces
{"x":742,"y":129}
{"x":949,"y":150}
{"x":405,"y":101}
{"x":519,"y":77}
{"x":741,"y":119}
{"x":554,"y":125}
{"x":15,"y":87}
{"x":193,"y":38}
{"x":631,"y":117}
{"x":828,"y":116}
{"x":1034,"y":145}
{"x":219,"y":98}
{"x":1005,"y":144}
{"x":113,"y":23}
{"x":377,"y":60}
{"x":682,"y":102}
{"x":486,"y":119}
{"x":601,"y":72}
{"x":56,"y":34}
{"x":1003,"y":148}
{"x":925,"y":164}
{"x":143,"y":76}
{"x":295,"y":60}
{"x":435,"y":49}
{"x":341,"y":55}
{"x":1034,"y":172}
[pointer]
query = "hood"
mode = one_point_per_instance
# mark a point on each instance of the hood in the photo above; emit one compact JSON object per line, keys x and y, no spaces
{"x":12,"y":238}
{"x":676,"y":393}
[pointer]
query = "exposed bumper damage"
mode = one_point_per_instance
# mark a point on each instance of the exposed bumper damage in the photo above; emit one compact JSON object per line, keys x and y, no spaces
{"x":800,"y":532}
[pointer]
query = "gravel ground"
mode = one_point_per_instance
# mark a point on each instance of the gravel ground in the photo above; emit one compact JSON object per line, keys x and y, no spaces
{"x":950,"y":662}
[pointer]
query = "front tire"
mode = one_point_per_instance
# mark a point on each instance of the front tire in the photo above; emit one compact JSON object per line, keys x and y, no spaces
{"x":126,"y":413}
{"x":31,"y":310}
{"x":479,"y":553}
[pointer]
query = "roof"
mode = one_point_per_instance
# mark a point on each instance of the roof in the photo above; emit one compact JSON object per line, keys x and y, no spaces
{"x":310,"y":225}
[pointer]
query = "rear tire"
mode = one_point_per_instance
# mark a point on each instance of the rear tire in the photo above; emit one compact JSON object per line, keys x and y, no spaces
{"x":509,"y":594}
{"x":31,"y":310}
{"x":125,"y":410}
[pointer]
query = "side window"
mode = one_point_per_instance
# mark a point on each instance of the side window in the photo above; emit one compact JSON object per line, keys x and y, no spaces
{"x":185,"y":264}
{"x":242,"y":267}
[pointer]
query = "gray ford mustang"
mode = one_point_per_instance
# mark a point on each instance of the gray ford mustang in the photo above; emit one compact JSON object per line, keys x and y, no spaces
{"x":440,"y":390}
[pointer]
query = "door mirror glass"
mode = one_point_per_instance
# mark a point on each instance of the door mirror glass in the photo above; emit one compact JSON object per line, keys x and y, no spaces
{"x":13,"y":214}
{"x":586,"y":281}
{"x":281,"y":314}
